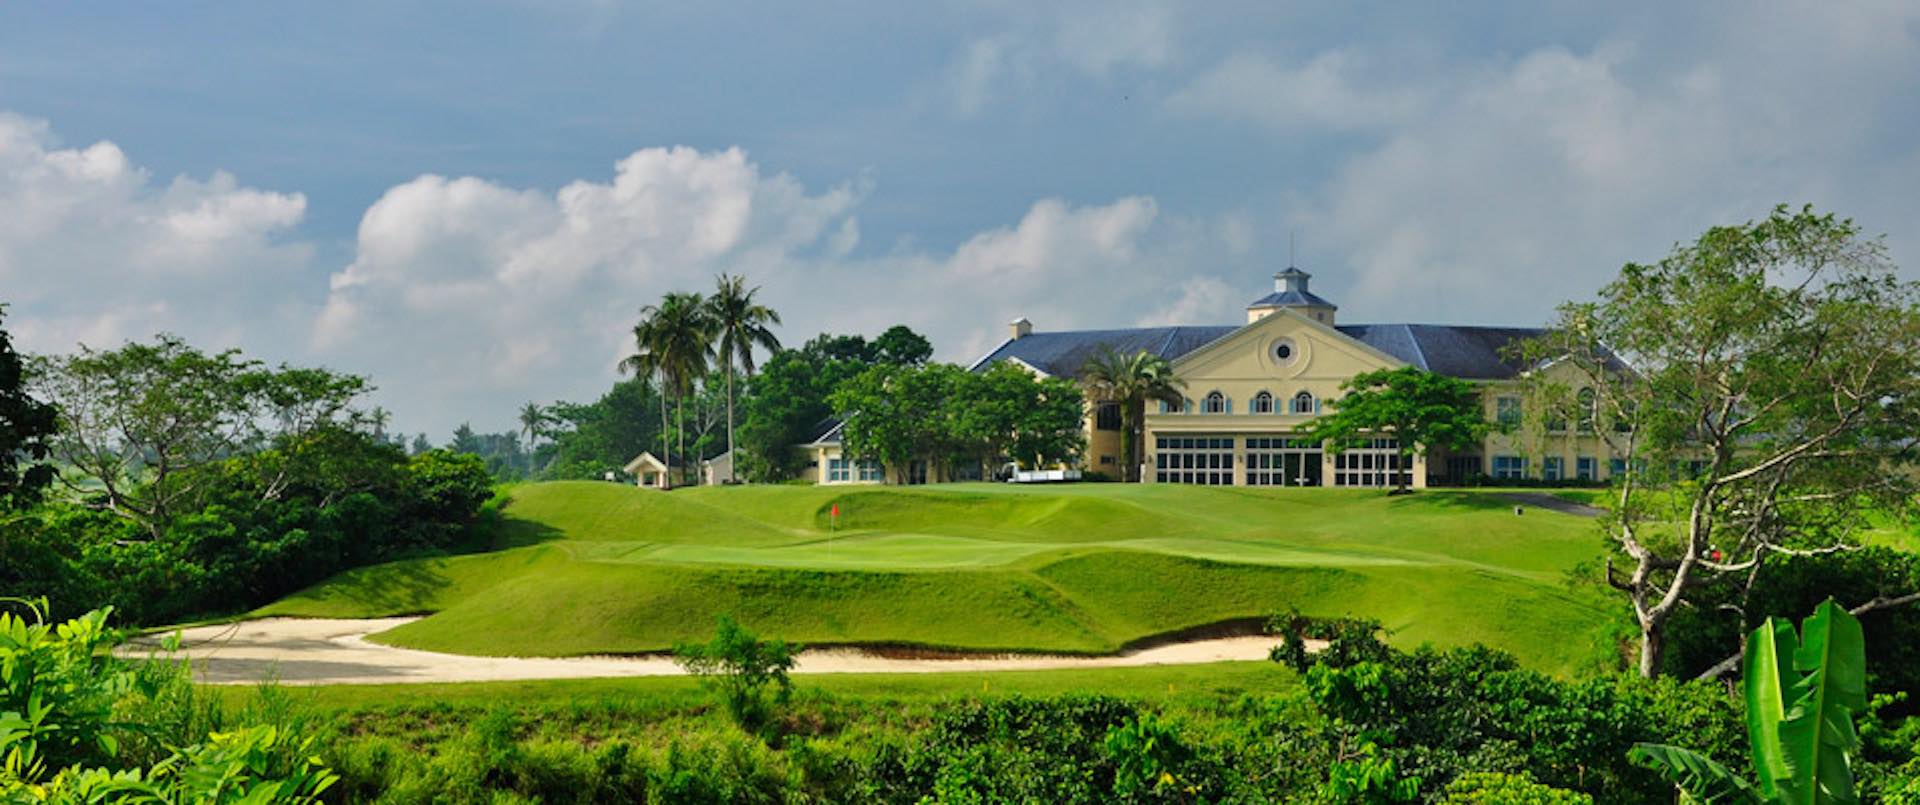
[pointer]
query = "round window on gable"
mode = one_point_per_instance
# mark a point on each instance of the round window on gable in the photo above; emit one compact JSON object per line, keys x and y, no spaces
{"x":1284,"y":351}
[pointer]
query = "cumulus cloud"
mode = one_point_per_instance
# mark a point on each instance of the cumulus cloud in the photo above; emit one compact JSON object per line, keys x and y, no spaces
{"x":93,"y":249}
{"x":467,"y":295}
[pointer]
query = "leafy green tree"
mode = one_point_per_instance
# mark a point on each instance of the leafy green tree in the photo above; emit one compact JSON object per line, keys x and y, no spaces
{"x":1131,"y":381}
{"x":139,"y":421}
{"x":901,"y":346}
{"x":898,"y":414}
{"x":593,"y":438}
{"x":741,"y":324}
{"x":1008,"y":411}
{"x":1422,"y":410}
{"x":1762,"y":387}
{"x":1802,"y":694}
{"x":741,"y":666}
{"x":27,"y":427}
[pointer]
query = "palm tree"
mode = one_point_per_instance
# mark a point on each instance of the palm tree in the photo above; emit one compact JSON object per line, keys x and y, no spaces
{"x":679,"y":335}
{"x":532,"y":416}
{"x":646,"y":363}
{"x":1130,"y":381}
{"x":740,"y":325}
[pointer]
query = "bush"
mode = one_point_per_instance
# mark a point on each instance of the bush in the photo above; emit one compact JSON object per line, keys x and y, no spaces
{"x":1494,"y":788}
{"x":1438,"y":715}
{"x":740,"y":665}
{"x":1791,"y":586}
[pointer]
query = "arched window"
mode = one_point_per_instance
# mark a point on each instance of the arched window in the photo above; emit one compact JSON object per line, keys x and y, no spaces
{"x":1303,"y":403}
{"x":1262,"y":403}
{"x":1215,"y":403}
{"x":1588,"y":402}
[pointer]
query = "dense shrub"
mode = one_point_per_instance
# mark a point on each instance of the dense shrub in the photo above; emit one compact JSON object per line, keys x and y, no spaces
{"x":1438,"y":715}
{"x":265,"y":525}
{"x":1790,"y":587}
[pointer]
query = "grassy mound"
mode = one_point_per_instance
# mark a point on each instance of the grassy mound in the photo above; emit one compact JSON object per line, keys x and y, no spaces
{"x":600,"y":568}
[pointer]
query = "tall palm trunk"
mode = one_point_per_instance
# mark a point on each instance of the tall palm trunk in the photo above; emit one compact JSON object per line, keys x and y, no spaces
{"x":730,"y":455}
{"x":1129,"y":442}
{"x":666,"y":440}
{"x":680,"y":431}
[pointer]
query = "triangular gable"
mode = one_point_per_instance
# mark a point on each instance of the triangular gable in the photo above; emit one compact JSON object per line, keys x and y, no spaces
{"x":1197,"y":361}
{"x":644,"y":461}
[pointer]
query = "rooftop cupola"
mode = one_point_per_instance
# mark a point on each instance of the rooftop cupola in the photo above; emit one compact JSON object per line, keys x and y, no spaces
{"x":1290,"y":291}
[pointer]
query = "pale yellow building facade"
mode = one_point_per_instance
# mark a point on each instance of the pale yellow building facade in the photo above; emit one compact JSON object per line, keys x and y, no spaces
{"x":1252,"y":388}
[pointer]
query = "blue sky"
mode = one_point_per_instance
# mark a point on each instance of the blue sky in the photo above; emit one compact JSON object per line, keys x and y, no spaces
{"x":469,"y":201}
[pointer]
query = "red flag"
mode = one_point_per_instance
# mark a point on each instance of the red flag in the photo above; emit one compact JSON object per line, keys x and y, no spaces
{"x":836,"y":510}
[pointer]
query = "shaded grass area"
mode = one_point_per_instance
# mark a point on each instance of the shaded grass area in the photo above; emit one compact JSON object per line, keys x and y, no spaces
{"x":601,"y":568}
{"x":1164,"y":684}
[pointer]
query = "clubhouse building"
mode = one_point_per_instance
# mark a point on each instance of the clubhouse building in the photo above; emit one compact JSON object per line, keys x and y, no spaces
{"x":1251,"y":387}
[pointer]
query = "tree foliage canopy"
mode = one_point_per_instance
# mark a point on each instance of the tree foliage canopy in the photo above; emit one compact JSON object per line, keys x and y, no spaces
{"x":27,"y":428}
{"x":1762,"y":387}
{"x":1421,"y":410}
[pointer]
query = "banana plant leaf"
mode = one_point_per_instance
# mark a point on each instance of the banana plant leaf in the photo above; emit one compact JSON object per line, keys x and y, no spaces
{"x":1817,"y":734}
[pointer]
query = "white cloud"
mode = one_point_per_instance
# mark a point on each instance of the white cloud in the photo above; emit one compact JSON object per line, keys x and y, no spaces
{"x":93,"y":249}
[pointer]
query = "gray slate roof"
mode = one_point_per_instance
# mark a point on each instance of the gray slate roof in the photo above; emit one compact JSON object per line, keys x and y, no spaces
{"x":1471,"y":353}
{"x":1292,"y":299}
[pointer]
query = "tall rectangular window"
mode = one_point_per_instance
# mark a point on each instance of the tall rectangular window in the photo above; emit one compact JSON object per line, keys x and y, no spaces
{"x":1585,"y":468}
{"x":1550,"y":468}
{"x":1506,"y":411}
{"x":1106,"y":416}
{"x":1616,"y":467}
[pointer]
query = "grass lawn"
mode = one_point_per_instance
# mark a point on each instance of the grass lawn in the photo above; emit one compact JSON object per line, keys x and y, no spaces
{"x":1167,"y":684}
{"x":589,"y":567}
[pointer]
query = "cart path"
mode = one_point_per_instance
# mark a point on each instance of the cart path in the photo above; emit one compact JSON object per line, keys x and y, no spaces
{"x":317,"y":651}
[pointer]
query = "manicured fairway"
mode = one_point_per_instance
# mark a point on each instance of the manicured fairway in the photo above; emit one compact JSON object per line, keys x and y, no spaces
{"x":599,"y":568}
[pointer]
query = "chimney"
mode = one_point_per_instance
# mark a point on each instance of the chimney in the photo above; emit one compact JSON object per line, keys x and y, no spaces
{"x":1021,"y":328}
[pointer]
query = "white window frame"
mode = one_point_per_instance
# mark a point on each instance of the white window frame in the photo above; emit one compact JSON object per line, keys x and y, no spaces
{"x":1509,"y":468}
{"x":1312,"y":406}
{"x":1261,"y":403}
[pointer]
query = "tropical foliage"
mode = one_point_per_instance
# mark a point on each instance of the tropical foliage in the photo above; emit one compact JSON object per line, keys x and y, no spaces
{"x":72,"y":715}
{"x":740,"y":325}
{"x":1803,"y":692}
{"x":1130,"y":381}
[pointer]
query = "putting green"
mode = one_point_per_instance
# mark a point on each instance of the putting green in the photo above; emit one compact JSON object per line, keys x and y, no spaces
{"x":597,"y":568}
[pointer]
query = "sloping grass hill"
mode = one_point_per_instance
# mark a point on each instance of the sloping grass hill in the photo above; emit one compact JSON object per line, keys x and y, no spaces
{"x":589,"y":567}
